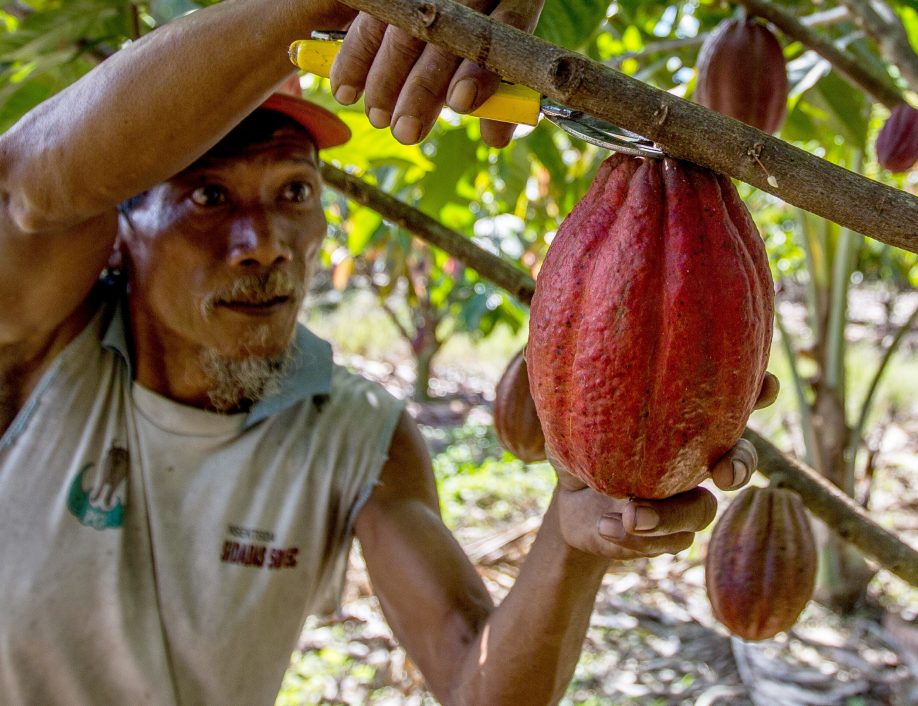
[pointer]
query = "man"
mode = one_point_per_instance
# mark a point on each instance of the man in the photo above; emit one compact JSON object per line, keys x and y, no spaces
{"x":181,"y":467}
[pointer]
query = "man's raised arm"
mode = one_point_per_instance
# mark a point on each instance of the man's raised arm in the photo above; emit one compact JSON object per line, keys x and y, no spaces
{"x":132,"y":122}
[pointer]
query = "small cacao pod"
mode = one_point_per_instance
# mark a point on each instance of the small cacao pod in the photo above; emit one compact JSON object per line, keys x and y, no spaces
{"x":897,"y":143}
{"x":741,"y":73}
{"x":650,"y":328}
{"x":515,"y":418}
{"x":761,"y":564}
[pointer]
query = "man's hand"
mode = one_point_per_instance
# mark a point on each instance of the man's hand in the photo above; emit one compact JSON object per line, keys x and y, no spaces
{"x":625,"y":529}
{"x":407,"y":82}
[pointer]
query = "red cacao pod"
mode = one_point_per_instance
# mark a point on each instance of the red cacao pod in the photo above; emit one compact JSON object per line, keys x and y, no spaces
{"x":897,"y":143}
{"x":515,"y":417}
{"x":650,"y":328}
{"x":741,"y":73}
{"x":761,"y":564}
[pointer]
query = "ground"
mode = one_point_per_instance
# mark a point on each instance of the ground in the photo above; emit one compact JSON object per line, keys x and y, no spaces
{"x":652,"y":638}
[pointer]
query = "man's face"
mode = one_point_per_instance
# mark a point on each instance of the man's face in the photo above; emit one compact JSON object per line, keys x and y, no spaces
{"x":219,"y":255}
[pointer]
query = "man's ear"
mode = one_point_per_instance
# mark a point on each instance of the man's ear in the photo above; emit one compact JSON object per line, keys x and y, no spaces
{"x":114,"y":271}
{"x":116,"y":257}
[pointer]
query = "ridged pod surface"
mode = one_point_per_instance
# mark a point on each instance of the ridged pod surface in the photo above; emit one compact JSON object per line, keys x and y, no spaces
{"x":515,"y":418}
{"x":650,"y":328}
{"x":897,"y":143}
{"x":761,"y":564}
{"x":741,"y":73}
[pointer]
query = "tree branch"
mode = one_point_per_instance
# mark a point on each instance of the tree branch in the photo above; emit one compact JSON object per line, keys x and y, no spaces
{"x":135,"y":22}
{"x":683,"y":129}
{"x":837,"y":510}
{"x":881,"y":87}
{"x":882,"y":23}
{"x":826,"y":18}
{"x":391,"y":313}
{"x":822,"y":498}
{"x":817,"y":19}
{"x":503,"y":274}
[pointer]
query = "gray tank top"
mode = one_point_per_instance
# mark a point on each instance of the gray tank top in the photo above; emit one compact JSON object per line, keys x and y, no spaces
{"x":158,"y":553}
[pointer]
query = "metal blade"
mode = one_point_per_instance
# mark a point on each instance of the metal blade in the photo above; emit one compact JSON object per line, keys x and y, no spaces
{"x":599,"y":132}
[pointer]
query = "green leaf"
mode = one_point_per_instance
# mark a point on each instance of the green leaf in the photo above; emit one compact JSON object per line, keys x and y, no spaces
{"x":455,"y":156}
{"x":369,"y":147}
{"x":571,"y":23}
{"x":471,"y":314}
{"x":457,"y":216}
{"x":364,"y":224}
{"x":516,"y":161}
{"x":542,"y":145}
{"x":847,"y":106}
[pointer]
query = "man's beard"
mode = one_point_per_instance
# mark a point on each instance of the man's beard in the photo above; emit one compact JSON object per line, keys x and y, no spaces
{"x":239,"y":381}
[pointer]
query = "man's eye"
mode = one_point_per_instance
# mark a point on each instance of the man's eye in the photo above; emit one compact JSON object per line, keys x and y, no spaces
{"x":209,"y":195}
{"x":297,"y":192}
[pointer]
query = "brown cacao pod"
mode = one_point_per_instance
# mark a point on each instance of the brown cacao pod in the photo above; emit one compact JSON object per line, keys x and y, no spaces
{"x":650,"y":328}
{"x":741,"y":73}
{"x":515,"y":417}
{"x":897,"y":143}
{"x":761,"y":564}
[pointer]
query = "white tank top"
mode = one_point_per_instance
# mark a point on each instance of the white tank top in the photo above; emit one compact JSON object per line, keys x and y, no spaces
{"x":157,"y":553}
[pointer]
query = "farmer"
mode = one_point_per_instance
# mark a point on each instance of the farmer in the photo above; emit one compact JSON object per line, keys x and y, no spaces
{"x":182,"y":467}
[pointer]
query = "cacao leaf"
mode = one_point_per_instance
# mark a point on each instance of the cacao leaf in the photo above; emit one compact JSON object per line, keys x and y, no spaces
{"x":569,"y":23}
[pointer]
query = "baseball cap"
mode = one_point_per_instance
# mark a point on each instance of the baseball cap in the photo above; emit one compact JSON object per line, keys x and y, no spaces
{"x":326,"y":128}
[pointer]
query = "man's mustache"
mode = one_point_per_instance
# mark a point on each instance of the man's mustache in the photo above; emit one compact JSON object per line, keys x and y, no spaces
{"x":256,"y":289}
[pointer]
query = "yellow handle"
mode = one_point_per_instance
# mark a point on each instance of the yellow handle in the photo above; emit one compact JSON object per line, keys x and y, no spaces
{"x":512,"y":103}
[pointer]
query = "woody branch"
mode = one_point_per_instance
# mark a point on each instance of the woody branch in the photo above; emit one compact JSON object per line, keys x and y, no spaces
{"x":878,"y":85}
{"x":683,"y":129}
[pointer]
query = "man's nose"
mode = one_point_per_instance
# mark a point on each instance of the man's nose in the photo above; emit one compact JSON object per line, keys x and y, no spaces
{"x":255,"y":242}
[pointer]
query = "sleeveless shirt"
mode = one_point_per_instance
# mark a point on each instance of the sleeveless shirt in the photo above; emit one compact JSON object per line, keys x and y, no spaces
{"x":154,"y":553}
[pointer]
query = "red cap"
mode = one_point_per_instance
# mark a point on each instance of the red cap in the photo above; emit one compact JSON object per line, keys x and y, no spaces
{"x":326,"y":128}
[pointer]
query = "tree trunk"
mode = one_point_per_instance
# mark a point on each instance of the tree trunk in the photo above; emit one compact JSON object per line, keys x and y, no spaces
{"x":844,"y":574}
{"x":425,"y":346}
{"x":423,"y":365}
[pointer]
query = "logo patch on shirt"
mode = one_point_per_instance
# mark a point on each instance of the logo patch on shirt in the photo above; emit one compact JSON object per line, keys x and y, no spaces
{"x":256,"y":554}
{"x":101,"y":504}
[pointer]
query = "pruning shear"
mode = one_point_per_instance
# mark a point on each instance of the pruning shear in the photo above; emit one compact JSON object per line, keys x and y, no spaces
{"x":511,"y":103}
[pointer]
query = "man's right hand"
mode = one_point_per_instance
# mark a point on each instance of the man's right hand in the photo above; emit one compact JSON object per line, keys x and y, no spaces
{"x":619,"y":529}
{"x":406,"y":82}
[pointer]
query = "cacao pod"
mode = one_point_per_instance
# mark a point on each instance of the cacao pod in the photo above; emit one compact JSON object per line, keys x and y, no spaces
{"x":897,"y":143}
{"x":741,"y":73}
{"x":650,"y":328}
{"x":515,"y":417}
{"x":761,"y":564}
